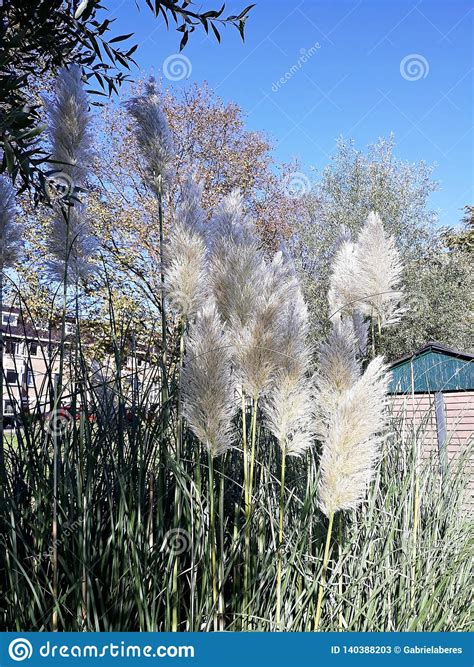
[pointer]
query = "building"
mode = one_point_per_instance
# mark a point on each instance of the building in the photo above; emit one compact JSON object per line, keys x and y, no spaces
{"x":432,"y":392}
{"x":31,"y":367}
{"x":30,"y":362}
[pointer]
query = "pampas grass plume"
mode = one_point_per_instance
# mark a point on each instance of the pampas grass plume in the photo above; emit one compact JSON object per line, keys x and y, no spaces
{"x":10,"y":228}
{"x":185,"y":254}
{"x":379,"y":271}
{"x":153,"y":136}
{"x":351,"y":422}
{"x":69,"y":126}
{"x":208,"y":390}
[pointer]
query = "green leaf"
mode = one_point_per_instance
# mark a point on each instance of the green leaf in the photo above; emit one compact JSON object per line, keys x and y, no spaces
{"x":120,"y":38}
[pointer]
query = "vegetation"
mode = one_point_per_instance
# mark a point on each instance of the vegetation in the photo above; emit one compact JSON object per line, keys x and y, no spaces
{"x":40,"y":37}
{"x":234,"y":479}
{"x":436,"y":275}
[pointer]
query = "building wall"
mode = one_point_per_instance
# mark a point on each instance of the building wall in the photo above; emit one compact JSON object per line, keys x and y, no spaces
{"x":36,"y":390}
{"x":419,"y":411}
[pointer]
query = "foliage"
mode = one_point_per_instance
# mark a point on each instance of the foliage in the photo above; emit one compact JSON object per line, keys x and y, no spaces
{"x":440,"y":301}
{"x":436,"y":282}
{"x":39,"y":37}
{"x":177,"y":475}
{"x":121,"y":530}
{"x":462,"y":240}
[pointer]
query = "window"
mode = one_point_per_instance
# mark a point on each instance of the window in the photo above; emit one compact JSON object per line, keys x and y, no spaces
{"x":12,"y":376}
{"x":9,"y":319}
{"x":33,"y":349}
{"x":70,"y":328}
{"x":12,"y":347}
{"x":8,"y":407}
{"x":30,"y":378}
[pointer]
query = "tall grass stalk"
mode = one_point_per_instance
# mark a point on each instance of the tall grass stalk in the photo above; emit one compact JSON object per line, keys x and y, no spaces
{"x":322,"y":582}
{"x":107,"y":538}
{"x":280,"y":536}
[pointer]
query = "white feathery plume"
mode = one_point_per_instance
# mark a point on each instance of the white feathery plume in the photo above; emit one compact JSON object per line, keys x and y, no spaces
{"x":343,"y":292}
{"x":289,"y":406}
{"x":230,"y":222}
{"x":70,"y":240}
{"x":75,"y":246}
{"x":289,"y":414}
{"x":185,"y":254}
{"x":236,"y":262}
{"x":294,"y":352}
{"x":10,"y":228}
{"x":190,"y":212}
{"x":69,"y":126}
{"x":153,"y":136}
{"x":208,"y":390}
{"x":351,"y":440}
{"x":350,"y":405}
{"x":257,"y":343}
{"x":339,"y":369}
{"x":379,"y":271}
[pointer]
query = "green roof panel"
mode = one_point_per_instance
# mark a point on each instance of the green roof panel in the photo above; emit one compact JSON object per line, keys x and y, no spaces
{"x":433,"y":369}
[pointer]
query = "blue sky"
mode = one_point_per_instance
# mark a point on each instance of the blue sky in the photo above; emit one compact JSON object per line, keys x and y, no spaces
{"x":381,"y":66}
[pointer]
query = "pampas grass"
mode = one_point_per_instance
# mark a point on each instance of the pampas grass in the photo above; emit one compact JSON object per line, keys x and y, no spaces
{"x":209,"y":402}
{"x":154,"y":139}
{"x":289,"y":406}
{"x":223,"y":523}
{"x":115,"y":507}
{"x":351,"y":434}
{"x":72,"y":246}
{"x":379,"y":272}
{"x":11,"y":229}
{"x":344,"y":293}
{"x":351,"y":404}
{"x":185,"y":255}
{"x":365,"y":281}
{"x":155,"y":143}
{"x":69,"y":126}
{"x":235,"y":263}
{"x":352,"y":416}
{"x":70,"y":243}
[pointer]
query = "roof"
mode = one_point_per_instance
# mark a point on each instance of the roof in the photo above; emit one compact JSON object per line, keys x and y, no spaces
{"x":434,"y":367}
{"x":26,"y":329}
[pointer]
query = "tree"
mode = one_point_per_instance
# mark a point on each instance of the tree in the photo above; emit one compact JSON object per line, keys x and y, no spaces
{"x":440,"y":303}
{"x":38,"y":37}
{"x":462,"y":240}
{"x":436,"y":280}
{"x":213,"y":144}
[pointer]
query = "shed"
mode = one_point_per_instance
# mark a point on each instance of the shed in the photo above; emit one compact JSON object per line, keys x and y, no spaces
{"x":433,"y":389}
{"x":434,"y":368}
